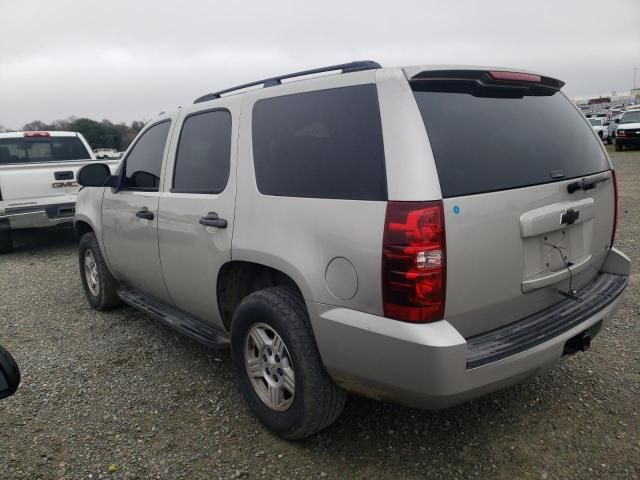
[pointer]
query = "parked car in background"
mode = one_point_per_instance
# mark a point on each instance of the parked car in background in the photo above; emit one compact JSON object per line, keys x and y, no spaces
{"x":628,"y":131}
{"x":338,"y":235}
{"x":38,"y":185}
{"x":600,"y":125}
{"x":106,"y":153}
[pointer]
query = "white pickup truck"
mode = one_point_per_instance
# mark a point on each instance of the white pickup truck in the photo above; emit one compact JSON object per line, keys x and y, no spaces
{"x":37,"y":179}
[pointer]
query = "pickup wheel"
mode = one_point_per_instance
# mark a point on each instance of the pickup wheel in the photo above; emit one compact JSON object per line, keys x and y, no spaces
{"x":99,"y":286}
{"x":6,"y":241}
{"x":278,"y":367}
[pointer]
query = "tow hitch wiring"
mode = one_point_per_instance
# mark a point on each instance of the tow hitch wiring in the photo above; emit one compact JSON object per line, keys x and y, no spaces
{"x":571,"y":294}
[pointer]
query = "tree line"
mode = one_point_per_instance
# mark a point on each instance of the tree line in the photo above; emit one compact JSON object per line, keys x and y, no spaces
{"x":104,"y":134}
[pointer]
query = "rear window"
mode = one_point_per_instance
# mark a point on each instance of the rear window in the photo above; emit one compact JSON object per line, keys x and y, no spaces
{"x":321,"y":144}
{"x":489,"y":143}
{"x":42,"y":149}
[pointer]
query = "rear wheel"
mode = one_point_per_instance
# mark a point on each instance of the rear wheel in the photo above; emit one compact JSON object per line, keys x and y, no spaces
{"x":6,"y":241}
{"x":278,"y":367}
{"x":99,"y":285}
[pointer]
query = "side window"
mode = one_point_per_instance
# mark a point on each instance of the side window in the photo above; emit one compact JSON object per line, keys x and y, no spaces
{"x":322,"y":144}
{"x":143,"y":164}
{"x":204,"y":152}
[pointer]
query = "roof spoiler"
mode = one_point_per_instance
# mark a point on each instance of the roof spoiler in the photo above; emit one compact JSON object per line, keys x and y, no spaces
{"x":488,"y":78}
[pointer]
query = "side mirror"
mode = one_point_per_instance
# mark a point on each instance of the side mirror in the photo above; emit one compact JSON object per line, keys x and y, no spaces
{"x":9,"y":374}
{"x":94,"y":175}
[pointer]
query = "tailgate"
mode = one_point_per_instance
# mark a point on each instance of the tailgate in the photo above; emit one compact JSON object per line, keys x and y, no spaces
{"x":38,"y":184}
{"x":527,"y":190}
{"x":41,"y":184}
{"x":507,"y":251}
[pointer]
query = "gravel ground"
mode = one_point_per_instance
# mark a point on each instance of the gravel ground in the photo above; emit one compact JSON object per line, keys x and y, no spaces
{"x":118,"y":391}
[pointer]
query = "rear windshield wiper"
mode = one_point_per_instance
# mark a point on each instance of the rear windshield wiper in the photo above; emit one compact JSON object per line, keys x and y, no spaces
{"x":588,"y":184}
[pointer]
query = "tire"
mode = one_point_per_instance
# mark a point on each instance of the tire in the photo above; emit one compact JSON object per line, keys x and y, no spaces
{"x":316,"y":401}
{"x":100,"y":288}
{"x":6,"y":241}
{"x":618,"y":147}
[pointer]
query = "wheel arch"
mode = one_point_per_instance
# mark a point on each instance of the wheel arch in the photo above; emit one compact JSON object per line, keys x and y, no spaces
{"x":82,"y":226}
{"x":239,"y":278}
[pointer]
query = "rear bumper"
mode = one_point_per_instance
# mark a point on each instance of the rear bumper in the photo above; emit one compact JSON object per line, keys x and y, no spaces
{"x":428,"y":365}
{"x":37,"y":216}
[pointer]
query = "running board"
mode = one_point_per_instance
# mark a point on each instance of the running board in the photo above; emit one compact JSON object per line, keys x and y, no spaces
{"x":189,"y":326}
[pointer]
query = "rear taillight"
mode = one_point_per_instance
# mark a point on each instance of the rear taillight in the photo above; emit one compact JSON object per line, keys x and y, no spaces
{"x":615,"y":206}
{"x":413,"y":261}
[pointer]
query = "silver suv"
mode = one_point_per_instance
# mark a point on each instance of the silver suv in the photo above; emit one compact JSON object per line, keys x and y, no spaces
{"x":369,"y":231}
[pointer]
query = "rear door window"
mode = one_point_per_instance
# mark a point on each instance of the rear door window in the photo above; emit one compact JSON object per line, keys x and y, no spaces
{"x":493,"y":142}
{"x":42,"y":149}
{"x":144,"y":162}
{"x":321,"y":144}
{"x":204,"y":152}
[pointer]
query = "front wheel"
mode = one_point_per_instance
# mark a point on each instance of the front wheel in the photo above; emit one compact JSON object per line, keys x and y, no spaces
{"x":278,"y":367}
{"x":100,"y":288}
{"x":6,"y":241}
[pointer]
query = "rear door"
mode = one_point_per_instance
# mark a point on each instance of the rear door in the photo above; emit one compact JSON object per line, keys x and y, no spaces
{"x":196,"y":212}
{"x":40,"y":167}
{"x":515,"y":232}
{"x":130,"y":214}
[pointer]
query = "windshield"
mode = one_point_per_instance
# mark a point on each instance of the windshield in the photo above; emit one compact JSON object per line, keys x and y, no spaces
{"x":493,"y":142}
{"x":631,"y":117}
{"x":595,"y":121}
{"x":42,"y":149}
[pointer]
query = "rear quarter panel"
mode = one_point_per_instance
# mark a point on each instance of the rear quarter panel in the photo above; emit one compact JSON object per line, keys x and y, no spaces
{"x":300,"y":236}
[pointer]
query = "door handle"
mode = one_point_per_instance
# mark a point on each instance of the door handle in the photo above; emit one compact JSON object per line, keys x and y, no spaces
{"x":144,"y":213}
{"x":212,"y":220}
{"x":64,"y":175}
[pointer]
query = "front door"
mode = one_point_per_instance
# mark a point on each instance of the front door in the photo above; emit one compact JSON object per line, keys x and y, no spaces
{"x":196,"y":211}
{"x":130,"y":215}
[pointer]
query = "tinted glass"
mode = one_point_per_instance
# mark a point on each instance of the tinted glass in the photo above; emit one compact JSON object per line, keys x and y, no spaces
{"x":42,"y":149}
{"x":322,"y":144}
{"x":204,"y":151}
{"x":484,"y":143}
{"x":143,"y":164}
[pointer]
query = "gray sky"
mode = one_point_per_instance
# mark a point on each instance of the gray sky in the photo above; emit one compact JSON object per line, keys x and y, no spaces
{"x":126,"y":60}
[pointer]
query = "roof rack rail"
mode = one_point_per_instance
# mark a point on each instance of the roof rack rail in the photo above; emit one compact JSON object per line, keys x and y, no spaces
{"x":270,"y":82}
